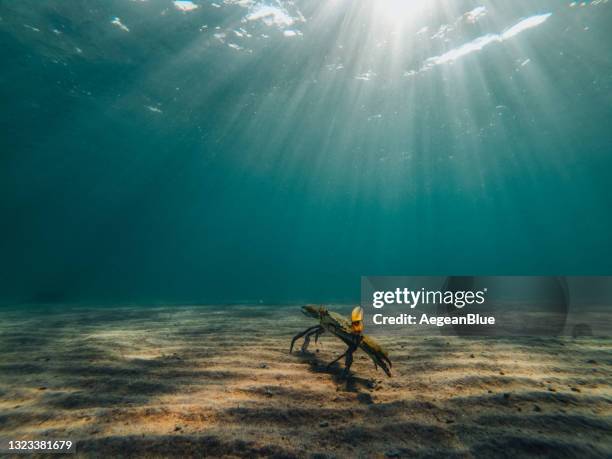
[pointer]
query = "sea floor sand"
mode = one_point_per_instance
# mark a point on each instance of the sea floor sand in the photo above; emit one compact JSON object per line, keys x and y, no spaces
{"x":219,"y":381}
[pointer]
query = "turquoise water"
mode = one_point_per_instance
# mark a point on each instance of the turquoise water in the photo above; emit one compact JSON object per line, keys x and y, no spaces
{"x":157,"y":151}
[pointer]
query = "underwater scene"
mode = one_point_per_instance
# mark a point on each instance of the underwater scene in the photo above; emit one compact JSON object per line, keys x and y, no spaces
{"x":306,"y":228}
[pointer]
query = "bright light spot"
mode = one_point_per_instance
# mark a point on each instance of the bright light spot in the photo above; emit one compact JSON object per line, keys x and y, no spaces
{"x":270,"y":15}
{"x":525,"y":24}
{"x":399,"y":13}
{"x":117,"y":22}
{"x":242,"y":3}
{"x":477,"y":13}
{"x":478,"y":43}
{"x":443,"y":31}
{"x":366,"y":76}
{"x":454,"y":54}
{"x":185,"y":5}
{"x":401,"y":10}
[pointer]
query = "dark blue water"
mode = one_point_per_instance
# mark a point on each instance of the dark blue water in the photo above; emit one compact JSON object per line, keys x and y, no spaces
{"x":162,"y":152}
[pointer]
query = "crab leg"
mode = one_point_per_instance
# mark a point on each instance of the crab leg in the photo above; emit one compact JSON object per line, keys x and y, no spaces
{"x":309,"y":331}
{"x":308,"y":335}
{"x":319,"y":333}
{"x":335,"y":360}
{"x":348,"y":361}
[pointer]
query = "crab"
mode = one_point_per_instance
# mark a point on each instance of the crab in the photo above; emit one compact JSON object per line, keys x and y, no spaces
{"x":350,"y":332}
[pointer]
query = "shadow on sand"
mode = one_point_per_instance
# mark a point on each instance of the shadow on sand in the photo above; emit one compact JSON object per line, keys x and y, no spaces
{"x":349,"y":383}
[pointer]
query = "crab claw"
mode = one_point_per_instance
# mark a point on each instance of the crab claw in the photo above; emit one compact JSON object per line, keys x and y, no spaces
{"x":377,"y":353}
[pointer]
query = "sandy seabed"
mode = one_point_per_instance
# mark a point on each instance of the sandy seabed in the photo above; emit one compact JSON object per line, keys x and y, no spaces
{"x":218,"y":381}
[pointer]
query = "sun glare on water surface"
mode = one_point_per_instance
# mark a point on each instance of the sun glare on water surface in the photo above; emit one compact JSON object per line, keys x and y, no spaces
{"x":402,"y":10}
